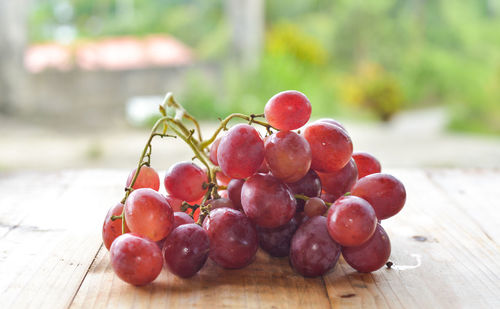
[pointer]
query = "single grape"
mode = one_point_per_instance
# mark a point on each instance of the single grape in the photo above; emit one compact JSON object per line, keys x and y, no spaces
{"x":384,"y":192}
{"x":340,"y":182}
{"x":112,"y":229}
{"x":184,"y":180}
{"x":136,"y":260}
{"x":186,"y":250}
{"x":220,"y":203}
{"x":315,"y":207}
{"x":148,"y":214}
{"x":327,"y":197}
{"x":313,"y":252}
{"x":309,"y":185}
{"x":267,"y":201}
{"x":181,"y":218}
{"x":213,"y":151}
{"x":222,"y":179}
{"x":351,"y":221}
{"x":234,"y":191}
{"x":366,"y":163}
{"x":288,"y":155}
{"x":332,"y":121}
{"x":276,"y":241}
{"x":371,"y":255}
{"x":174,"y":202}
{"x":331,"y":146}
{"x":233,"y":238}
{"x":241,"y":151}
{"x":288,"y":110}
{"x":147,"y":178}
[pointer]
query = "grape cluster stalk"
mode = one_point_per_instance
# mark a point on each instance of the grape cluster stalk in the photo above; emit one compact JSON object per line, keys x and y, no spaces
{"x":299,"y":192}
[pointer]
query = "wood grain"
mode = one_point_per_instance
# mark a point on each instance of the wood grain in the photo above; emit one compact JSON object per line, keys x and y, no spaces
{"x":445,"y":250}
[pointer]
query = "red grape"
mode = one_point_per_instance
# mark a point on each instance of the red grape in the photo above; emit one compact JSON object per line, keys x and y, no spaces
{"x":267,"y":201}
{"x":309,"y":185}
{"x":288,"y":110}
{"x":136,"y":260}
{"x":213,"y":150}
{"x":181,"y":218}
{"x":313,"y":252}
{"x":276,"y":241}
{"x":112,"y":229}
{"x":288,"y":156}
{"x":340,"y":182}
{"x":371,"y":255}
{"x":366,"y":163}
{"x":148,"y":214}
{"x":327,"y":197}
{"x":174,"y":202}
{"x":222,"y":179}
{"x":241,"y":151}
{"x":186,"y":250}
{"x":233,"y":238}
{"x":384,"y":192}
{"x":184,"y":180}
{"x":332,"y":121}
{"x":351,"y":221}
{"x":147,"y":178}
{"x":315,"y":207}
{"x":330,"y":145}
{"x":220,"y":203}
{"x":234,"y":191}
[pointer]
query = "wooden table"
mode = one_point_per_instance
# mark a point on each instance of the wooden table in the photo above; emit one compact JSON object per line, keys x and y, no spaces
{"x":445,"y":250}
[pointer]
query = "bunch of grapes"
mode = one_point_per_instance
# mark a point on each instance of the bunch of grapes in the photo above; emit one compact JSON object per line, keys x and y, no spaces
{"x":302,"y":194}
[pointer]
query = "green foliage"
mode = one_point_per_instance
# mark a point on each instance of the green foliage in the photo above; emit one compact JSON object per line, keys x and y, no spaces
{"x":444,"y":52}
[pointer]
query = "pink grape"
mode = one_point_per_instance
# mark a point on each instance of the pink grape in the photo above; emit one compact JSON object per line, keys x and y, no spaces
{"x":112,"y":229}
{"x":147,"y":178}
{"x":384,"y":192}
{"x":371,"y":255}
{"x":174,"y":202}
{"x":267,"y":201}
{"x":366,"y":163}
{"x":213,"y":150}
{"x":233,"y":238}
{"x":234,"y":192}
{"x":222,"y":179}
{"x":313,"y":252}
{"x":136,"y":260}
{"x":184,"y":180}
{"x":241,"y":151}
{"x":148,"y":214}
{"x":220,"y":203}
{"x":332,"y":121}
{"x":288,"y":110}
{"x":351,"y":221}
{"x":340,"y":182}
{"x":309,"y":185}
{"x":186,"y":250}
{"x":315,"y":207}
{"x":288,"y":155}
{"x":331,"y":146}
{"x":181,"y":218}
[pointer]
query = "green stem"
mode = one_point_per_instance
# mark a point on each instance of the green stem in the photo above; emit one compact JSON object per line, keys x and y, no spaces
{"x":224,"y":123}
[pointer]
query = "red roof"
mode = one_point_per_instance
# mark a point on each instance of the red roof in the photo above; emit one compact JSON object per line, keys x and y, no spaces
{"x":121,"y":53}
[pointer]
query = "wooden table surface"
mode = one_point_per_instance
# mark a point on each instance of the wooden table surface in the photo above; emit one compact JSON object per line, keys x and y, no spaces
{"x":445,"y":250}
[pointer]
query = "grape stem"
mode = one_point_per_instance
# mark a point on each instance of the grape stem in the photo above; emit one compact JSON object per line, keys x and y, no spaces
{"x":223,"y":126}
{"x":305,"y":198}
{"x":197,"y":146}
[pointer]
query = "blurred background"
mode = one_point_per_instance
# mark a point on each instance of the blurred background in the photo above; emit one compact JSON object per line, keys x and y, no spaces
{"x":416,"y":82}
